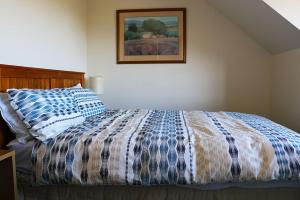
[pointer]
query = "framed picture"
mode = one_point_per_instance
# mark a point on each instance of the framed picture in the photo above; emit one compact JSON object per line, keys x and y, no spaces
{"x":151,"y":36}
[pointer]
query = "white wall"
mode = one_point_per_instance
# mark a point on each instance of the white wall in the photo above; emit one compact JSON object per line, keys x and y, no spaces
{"x":44,"y":33}
{"x":290,"y":9}
{"x":285,"y":93}
{"x":225,"y":70}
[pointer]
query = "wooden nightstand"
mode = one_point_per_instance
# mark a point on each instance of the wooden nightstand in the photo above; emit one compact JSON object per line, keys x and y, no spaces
{"x":8,"y":182}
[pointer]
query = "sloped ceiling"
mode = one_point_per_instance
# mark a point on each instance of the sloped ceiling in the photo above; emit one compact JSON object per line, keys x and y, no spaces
{"x":261,"y":22}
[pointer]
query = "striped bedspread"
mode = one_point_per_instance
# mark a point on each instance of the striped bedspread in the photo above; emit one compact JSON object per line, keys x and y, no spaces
{"x":148,"y":147}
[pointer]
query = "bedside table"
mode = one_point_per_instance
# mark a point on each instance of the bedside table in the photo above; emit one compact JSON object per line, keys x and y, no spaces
{"x":8,"y":182}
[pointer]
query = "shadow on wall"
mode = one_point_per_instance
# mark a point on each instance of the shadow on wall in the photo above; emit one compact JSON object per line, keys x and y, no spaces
{"x":285,"y":93}
{"x":246,"y":90}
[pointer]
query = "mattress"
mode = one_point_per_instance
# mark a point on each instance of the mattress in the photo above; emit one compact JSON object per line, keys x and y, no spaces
{"x":152,"y":147}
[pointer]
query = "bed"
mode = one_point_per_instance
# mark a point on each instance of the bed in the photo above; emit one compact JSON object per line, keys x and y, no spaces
{"x":154,"y":154}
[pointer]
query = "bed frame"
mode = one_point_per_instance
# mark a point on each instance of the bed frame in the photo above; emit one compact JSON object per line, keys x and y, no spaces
{"x":25,"y":77}
{"x":12,"y":76}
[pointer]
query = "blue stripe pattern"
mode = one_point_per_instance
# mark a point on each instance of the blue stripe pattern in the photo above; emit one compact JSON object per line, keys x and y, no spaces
{"x":165,"y":126}
{"x":66,"y":151}
{"x":46,"y":113}
{"x":285,"y":142}
{"x":88,"y":102}
{"x":233,"y":151}
{"x":157,"y":147}
{"x":32,"y":108}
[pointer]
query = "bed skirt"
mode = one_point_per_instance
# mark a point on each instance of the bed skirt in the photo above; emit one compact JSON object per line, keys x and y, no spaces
{"x":74,"y":192}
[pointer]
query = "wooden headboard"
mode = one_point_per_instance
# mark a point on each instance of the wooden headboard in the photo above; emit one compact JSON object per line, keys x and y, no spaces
{"x":12,"y":76}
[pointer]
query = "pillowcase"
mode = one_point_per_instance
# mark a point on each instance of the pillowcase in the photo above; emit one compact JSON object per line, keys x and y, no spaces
{"x":88,"y":102}
{"x":15,"y":124}
{"x":46,"y":113}
{"x":78,"y":85}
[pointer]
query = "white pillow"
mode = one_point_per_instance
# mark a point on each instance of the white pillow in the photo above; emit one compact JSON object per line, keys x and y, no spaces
{"x":15,"y":124}
{"x":78,"y":85}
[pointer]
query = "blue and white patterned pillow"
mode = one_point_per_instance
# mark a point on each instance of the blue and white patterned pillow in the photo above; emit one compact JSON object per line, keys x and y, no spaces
{"x":46,"y":113}
{"x":88,"y":102}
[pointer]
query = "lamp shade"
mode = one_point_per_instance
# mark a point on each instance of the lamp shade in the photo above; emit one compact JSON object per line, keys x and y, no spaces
{"x":97,"y":84}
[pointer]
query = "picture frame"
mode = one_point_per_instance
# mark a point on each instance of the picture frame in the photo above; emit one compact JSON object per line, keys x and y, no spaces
{"x":149,"y":36}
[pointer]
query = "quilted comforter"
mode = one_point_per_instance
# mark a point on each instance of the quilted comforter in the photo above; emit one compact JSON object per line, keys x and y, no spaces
{"x":149,"y":147}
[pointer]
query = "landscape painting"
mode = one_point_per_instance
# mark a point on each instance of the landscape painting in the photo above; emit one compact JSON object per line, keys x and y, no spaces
{"x":151,"y":36}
